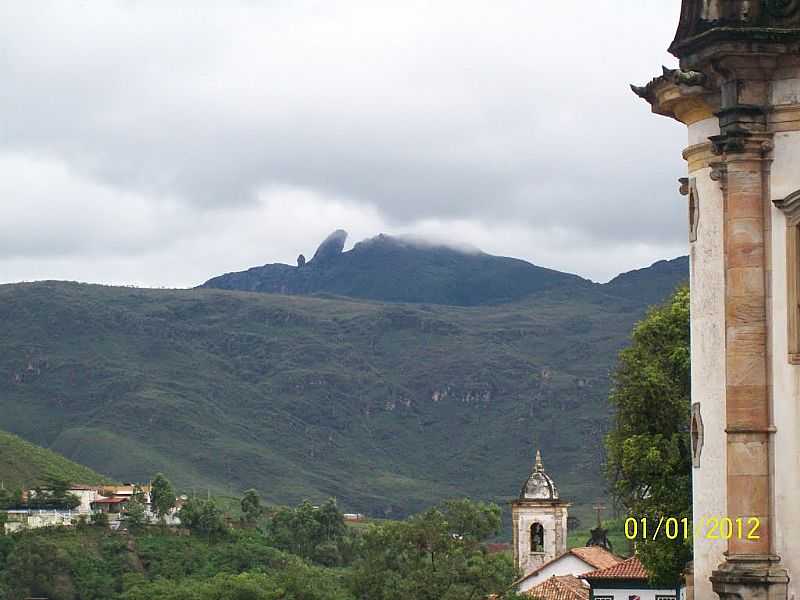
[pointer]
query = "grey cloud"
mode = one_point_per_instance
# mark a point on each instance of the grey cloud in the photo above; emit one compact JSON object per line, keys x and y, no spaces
{"x":509,"y":114}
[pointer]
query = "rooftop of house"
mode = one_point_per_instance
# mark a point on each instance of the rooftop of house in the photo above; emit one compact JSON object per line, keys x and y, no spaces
{"x":598,"y":557}
{"x":560,"y":587}
{"x":595,"y":556}
{"x":631,"y":568}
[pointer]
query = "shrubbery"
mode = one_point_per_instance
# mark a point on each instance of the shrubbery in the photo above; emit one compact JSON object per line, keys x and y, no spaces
{"x":303,"y":553}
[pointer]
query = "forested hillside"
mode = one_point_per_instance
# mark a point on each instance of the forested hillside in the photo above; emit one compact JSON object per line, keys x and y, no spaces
{"x":388,"y":407}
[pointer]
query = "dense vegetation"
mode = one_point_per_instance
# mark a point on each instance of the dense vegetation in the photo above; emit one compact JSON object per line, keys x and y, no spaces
{"x":437,"y":555}
{"x":649,"y":453}
{"x":389,"y":407}
{"x":52,"y":494}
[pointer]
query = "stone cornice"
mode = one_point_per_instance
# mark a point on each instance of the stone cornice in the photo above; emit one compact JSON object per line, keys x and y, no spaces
{"x":742,"y":143}
{"x":540,"y":503}
{"x":680,"y":94}
{"x":762,"y":35}
{"x":704,"y":22}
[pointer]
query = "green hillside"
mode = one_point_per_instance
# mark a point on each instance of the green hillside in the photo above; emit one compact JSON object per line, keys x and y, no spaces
{"x":23,"y":464}
{"x":388,"y":407}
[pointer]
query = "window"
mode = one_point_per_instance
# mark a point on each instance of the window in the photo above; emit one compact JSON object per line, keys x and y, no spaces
{"x":791,"y":208}
{"x":665,"y":597}
{"x":604,"y":598}
{"x":537,"y":538}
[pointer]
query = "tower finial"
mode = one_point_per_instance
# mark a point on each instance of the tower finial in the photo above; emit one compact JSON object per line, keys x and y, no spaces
{"x":539,"y":466}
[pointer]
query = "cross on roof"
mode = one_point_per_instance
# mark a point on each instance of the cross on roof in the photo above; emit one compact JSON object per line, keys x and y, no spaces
{"x":599,"y":508}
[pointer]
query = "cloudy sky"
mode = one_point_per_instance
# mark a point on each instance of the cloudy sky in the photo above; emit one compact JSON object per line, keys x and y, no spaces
{"x":159,"y":144}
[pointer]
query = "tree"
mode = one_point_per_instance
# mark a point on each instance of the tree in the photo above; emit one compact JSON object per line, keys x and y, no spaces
{"x":251,"y":507}
{"x":296,"y":530}
{"x":135,"y":514}
{"x":202,"y":516}
{"x":649,"y":451}
{"x":162,"y":496}
{"x":54,"y":494}
{"x":437,"y":555}
{"x":331,"y":521}
{"x":138,"y":495}
{"x":10,"y":498}
{"x":312,"y":532}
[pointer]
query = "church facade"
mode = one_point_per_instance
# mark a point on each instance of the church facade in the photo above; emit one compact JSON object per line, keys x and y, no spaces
{"x":738,"y":93}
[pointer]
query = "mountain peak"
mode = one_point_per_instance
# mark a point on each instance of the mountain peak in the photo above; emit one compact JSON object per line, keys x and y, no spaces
{"x":403,"y":269}
{"x":399,"y":269}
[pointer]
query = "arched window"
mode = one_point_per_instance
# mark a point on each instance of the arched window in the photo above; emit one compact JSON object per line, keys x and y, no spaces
{"x":537,"y":538}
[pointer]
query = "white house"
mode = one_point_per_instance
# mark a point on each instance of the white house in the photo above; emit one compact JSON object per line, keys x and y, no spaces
{"x":86,"y":494}
{"x":573,"y":562}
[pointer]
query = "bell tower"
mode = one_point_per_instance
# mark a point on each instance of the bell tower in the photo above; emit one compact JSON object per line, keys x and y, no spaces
{"x":539,"y":521}
{"x":738,"y":92}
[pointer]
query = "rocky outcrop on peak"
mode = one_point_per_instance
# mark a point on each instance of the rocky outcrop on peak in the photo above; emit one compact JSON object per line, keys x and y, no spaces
{"x":331,"y":247}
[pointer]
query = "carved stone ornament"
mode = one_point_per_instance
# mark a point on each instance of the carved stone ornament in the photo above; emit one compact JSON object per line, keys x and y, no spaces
{"x":688,"y":79}
{"x":681,"y":77}
{"x":719,"y":173}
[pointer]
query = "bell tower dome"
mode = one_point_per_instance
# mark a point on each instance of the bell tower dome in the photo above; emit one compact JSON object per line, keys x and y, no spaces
{"x":539,"y":521}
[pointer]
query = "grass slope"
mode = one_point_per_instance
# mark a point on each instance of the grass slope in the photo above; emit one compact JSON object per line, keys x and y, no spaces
{"x":387,"y":407}
{"x":24,"y":464}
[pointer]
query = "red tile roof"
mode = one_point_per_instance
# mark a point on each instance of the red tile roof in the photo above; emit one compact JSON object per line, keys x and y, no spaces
{"x":627,"y":569}
{"x":564,"y":587}
{"x":598,"y":557}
